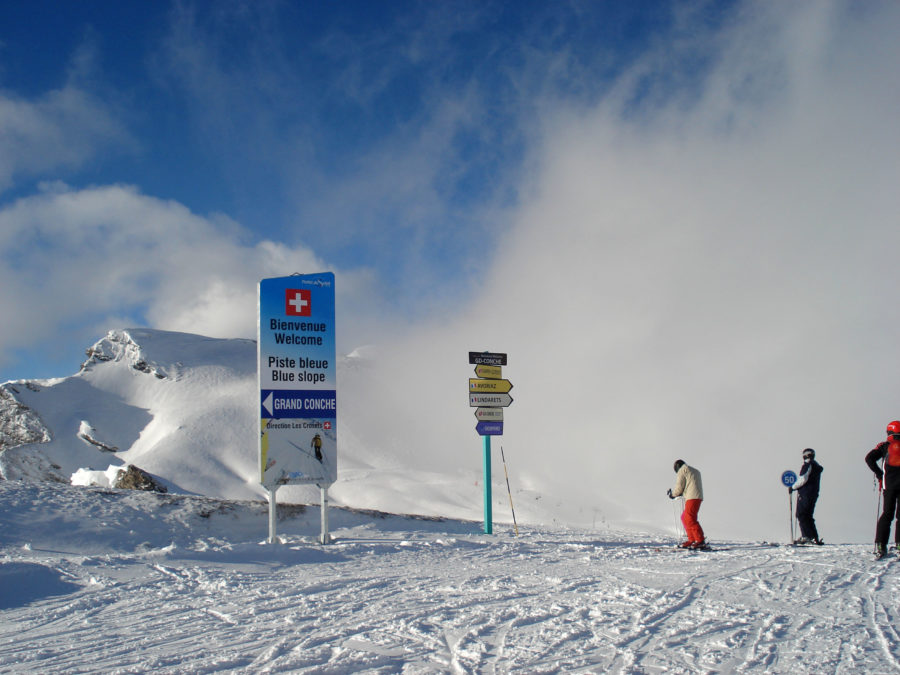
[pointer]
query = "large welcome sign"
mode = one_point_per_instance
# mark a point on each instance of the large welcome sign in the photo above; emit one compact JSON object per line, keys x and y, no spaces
{"x":297,"y":380}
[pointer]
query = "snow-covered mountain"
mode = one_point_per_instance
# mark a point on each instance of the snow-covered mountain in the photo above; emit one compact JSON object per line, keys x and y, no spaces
{"x":184,"y":408}
{"x":178,"y":406}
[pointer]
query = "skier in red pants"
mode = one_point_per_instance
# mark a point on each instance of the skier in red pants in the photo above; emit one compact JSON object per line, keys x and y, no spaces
{"x":689,"y":486}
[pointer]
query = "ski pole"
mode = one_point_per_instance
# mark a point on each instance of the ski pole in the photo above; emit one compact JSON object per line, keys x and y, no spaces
{"x":876,"y":485}
{"x":679,"y":523}
{"x":674,"y":521}
{"x":505,"y":473}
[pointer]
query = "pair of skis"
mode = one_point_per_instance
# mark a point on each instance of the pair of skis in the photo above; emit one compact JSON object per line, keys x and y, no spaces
{"x":892,"y":553}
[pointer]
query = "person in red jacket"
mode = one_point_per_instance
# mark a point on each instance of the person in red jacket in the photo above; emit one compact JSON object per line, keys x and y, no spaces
{"x":888,"y":452}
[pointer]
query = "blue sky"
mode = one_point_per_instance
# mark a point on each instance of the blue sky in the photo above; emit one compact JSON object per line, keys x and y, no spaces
{"x":391,"y":139}
{"x":678,"y":218}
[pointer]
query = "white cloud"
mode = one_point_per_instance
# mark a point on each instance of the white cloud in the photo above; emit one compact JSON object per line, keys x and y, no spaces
{"x":62,"y":129}
{"x":76,"y":256}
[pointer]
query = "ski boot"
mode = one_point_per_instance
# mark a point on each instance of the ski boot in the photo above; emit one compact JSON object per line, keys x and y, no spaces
{"x":880,"y":551}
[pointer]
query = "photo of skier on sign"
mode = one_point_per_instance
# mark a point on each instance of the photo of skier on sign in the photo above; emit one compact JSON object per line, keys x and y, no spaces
{"x":316,"y":445}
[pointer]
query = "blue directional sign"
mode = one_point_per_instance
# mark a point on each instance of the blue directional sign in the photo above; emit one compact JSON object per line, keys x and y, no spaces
{"x":788,"y":478}
{"x":298,"y":404}
{"x":297,"y":380}
{"x":489,"y":428}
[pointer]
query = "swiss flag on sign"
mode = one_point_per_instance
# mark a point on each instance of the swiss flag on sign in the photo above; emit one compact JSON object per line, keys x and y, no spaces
{"x":297,"y":302}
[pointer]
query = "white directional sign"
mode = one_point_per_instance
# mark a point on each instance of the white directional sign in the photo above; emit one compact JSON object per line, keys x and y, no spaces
{"x":489,"y":414}
{"x":297,"y":380}
{"x":490,"y":400}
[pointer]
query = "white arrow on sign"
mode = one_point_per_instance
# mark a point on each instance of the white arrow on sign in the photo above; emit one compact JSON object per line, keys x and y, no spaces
{"x":267,"y":404}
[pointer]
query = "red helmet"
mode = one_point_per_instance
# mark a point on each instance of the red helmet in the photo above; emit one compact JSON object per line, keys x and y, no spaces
{"x":893,"y":427}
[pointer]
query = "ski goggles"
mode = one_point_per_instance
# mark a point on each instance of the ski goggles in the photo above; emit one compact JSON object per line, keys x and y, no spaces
{"x":807,"y":455}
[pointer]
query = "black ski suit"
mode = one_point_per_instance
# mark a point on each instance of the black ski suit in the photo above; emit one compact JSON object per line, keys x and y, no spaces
{"x":807,"y":494}
{"x":889,"y":451}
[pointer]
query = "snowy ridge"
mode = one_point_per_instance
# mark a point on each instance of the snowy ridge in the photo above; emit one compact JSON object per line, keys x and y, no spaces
{"x":120,"y":346}
{"x":177,"y":405}
{"x":81,"y":568}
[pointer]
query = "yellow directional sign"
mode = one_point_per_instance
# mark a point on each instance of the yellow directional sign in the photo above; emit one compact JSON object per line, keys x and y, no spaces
{"x":490,"y":372}
{"x":489,"y":386}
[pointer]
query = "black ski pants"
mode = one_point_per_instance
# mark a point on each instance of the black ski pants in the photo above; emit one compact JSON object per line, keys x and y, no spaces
{"x":806,"y":505}
{"x":891,"y":511}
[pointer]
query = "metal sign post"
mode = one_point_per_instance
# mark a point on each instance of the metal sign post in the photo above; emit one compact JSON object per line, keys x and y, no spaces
{"x":788,"y":478}
{"x":488,"y":512}
{"x":273,"y":516}
{"x":488,"y":391}
{"x":325,"y":537}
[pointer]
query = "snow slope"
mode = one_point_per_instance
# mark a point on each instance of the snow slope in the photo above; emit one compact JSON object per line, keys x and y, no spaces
{"x":98,"y":580}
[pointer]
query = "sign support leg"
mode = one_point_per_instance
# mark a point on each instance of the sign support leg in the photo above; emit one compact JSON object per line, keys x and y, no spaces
{"x":325,"y":537}
{"x":488,"y":515}
{"x":273,"y":508}
{"x":791,"y":511}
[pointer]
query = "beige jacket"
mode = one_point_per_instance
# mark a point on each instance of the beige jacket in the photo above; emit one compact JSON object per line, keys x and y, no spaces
{"x":688,"y":483}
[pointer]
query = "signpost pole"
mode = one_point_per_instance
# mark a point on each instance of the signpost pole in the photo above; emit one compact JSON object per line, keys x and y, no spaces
{"x":488,"y":516}
{"x":489,"y":391}
{"x":273,"y":515}
{"x":791,"y":512}
{"x":788,"y":478}
{"x":325,"y":538}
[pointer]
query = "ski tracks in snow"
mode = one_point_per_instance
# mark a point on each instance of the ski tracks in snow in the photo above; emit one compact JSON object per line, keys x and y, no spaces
{"x":546,"y":602}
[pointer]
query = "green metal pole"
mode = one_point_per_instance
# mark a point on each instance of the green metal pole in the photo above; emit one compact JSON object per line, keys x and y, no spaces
{"x":488,"y":517}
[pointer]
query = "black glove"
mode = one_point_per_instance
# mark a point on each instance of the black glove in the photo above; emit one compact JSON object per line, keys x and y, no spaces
{"x":669,"y":493}
{"x":791,"y":489}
